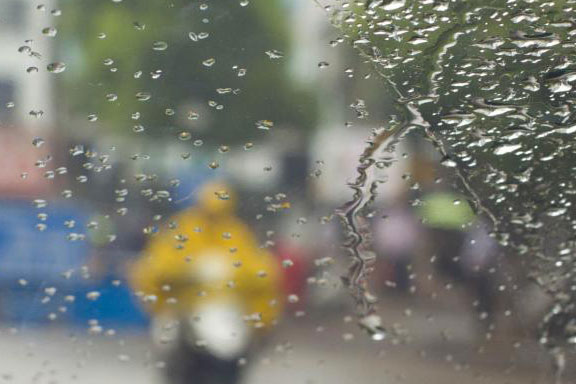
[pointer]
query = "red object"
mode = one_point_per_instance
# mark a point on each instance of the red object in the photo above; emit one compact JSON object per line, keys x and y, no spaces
{"x":294,"y":267}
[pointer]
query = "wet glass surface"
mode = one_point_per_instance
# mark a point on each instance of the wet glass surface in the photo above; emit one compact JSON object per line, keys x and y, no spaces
{"x":298,"y":191}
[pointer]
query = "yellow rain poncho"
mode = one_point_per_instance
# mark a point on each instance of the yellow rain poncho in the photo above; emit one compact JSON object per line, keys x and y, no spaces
{"x":207,"y":253}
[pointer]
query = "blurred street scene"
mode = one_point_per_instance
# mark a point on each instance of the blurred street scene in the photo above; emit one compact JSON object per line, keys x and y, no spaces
{"x":114,"y":115}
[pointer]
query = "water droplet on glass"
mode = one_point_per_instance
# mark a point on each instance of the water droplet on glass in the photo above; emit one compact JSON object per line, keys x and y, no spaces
{"x":372,"y":324}
{"x":184,"y":136}
{"x":448,"y":162}
{"x":56,"y":67}
{"x":555,"y":212}
{"x":506,"y":148}
{"x":38,"y":142}
{"x":143,"y":96}
{"x":49,"y":31}
{"x":93,"y":295}
{"x":40,"y":203}
{"x":160,"y":46}
{"x":293,"y":299}
{"x":275,"y":54}
{"x":25,"y":49}
{"x":209,"y":62}
{"x":264,"y":124}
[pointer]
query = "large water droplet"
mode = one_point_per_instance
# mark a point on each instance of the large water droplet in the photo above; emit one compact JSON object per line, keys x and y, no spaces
{"x":49,"y":31}
{"x":56,"y":67}
{"x":159,"y":45}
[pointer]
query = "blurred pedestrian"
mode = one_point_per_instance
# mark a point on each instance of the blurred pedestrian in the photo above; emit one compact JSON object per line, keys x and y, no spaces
{"x":478,"y":258}
{"x":396,"y":239}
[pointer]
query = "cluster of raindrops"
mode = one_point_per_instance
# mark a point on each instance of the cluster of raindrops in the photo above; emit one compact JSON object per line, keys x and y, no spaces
{"x":491,"y":87}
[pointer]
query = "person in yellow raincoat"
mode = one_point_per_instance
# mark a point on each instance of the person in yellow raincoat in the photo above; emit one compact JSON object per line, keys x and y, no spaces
{"x":181,"y":265}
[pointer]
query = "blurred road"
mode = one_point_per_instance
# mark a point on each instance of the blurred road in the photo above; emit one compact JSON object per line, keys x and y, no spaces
{"x":301,"y":353}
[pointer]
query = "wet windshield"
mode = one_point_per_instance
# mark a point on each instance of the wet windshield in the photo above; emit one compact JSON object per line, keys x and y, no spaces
{"x":296,"y":191}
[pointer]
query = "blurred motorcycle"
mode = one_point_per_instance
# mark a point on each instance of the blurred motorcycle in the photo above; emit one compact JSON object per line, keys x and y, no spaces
{"x":213,"y":293}
{"x":208,"y":341}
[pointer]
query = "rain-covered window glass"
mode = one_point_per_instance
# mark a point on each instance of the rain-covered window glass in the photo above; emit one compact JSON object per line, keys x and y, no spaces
{"x":287,"y":191}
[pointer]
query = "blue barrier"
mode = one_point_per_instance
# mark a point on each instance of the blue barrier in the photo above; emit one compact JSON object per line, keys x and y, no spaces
{"x":32,"y":261}
{"x":116,"y":306}
{"x":40,"y":255}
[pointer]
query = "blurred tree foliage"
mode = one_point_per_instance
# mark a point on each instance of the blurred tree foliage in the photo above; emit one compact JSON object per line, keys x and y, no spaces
{"x":179,"y":84}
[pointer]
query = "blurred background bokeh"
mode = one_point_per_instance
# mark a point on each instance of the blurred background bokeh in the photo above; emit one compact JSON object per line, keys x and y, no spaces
{"x":115,"y":113}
